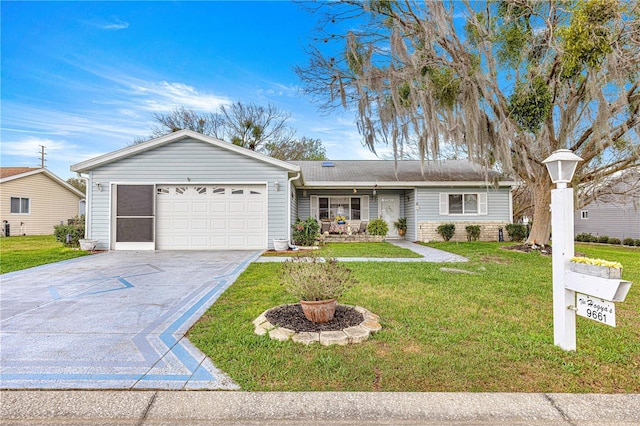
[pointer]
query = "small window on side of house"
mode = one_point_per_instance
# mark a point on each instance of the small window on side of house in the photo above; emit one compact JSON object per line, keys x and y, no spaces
{"x":584,"y":214}
{"x":20,"y":205}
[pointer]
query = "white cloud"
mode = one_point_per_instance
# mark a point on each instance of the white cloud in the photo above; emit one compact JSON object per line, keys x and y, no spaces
{"x":164,"y":96}
{"x":113,"y":24}
{"x":56,"y":150}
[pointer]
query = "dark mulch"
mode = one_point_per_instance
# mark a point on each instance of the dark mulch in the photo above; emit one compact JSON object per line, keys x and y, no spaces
{"x":528,"y":248}
{"x":292,"y":317}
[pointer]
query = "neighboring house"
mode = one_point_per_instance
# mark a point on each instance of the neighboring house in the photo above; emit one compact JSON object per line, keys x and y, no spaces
{"x":34,"y":200}
{"x":187,"y":191}
{"x":616,"y":211}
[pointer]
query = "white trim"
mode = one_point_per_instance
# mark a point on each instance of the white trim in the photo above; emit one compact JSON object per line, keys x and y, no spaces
{"x":316,"y":209}
{"x":482,"y":204}
{"x":173,"y":137}
{"x":400,"y":185}
{"x":48,"y":174}
{"x":135,"y":246}
{"x":290,"y":222}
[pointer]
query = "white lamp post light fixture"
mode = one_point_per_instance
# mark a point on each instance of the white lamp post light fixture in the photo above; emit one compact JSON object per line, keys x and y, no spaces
{"x":561,"y":166}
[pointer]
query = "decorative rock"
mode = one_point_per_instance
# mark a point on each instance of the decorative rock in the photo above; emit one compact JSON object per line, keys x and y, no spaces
{"x":281,"y":334}
{"x":333,"y":338}
{"x":371,"y":324}
{"x":306,"y":337}
{"x":357,"y":334}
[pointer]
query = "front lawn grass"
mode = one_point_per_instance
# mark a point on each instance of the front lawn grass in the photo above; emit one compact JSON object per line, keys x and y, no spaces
{"x":490,"y":332}
{"x":382,"y":249}
{"x":17,"y":253}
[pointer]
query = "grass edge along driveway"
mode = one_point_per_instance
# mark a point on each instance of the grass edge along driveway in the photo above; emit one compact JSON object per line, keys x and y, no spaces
{"x":489,"y":332}
{"x":18,"y":253}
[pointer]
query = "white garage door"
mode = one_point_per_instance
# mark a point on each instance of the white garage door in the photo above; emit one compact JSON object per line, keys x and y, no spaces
{"x":205,"y":217}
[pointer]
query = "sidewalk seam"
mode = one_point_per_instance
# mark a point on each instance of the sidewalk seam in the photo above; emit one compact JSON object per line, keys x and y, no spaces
{"x":558,"y":409}
{"x":146,"y":411}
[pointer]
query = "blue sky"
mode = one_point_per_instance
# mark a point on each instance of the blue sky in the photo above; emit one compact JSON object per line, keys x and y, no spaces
{"x":84,"y":78}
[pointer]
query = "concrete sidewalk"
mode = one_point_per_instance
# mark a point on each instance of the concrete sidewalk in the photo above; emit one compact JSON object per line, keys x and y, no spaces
{"x":308,"y":408}
{"x":428,"y":254}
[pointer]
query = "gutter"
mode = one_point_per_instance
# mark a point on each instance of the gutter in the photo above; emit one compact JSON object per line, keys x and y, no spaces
{"x":289,"y":205}
{"x":87,"y":213}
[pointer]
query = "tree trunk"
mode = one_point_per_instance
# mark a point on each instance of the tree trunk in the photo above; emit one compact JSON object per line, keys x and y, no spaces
{"x":541,"y":226}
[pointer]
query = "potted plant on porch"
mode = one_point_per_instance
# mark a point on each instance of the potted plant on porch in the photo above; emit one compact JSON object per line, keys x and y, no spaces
{"x":317,"y":283}
{"x":401,"y":226}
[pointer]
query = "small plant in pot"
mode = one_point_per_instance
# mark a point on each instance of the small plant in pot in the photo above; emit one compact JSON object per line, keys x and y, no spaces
{"x":401,"y":226}
{"x":317,"y":283}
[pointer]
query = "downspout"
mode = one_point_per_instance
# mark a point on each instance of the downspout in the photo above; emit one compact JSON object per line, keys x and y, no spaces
{"x":87,"y":221}
{"x":289,"y":205}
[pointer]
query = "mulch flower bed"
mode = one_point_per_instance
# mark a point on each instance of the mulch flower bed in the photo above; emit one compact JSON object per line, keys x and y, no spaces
{"x":528,"y":248}
{"x":292,"y":317}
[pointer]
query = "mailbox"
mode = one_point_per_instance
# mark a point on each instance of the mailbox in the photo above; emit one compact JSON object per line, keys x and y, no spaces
{"x":612,"y":289}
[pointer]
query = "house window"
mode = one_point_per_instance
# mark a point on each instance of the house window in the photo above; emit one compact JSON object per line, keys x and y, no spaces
{"x":20,"y":205}
{"x":463,"y":204}
{"x":330,"y":207}
{"x":584,"y":214}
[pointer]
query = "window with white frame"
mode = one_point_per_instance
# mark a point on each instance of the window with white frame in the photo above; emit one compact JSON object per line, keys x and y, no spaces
{"x":352,"y":208}
{"x":20,"y":205}
{"x":463,"y":203}
{"x":584,"y":214}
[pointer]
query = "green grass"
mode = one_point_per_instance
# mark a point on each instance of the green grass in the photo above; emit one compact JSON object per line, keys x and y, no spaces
{"x":382,"y":249}
{"x":17,"y":253}
{"x":441,"y":331}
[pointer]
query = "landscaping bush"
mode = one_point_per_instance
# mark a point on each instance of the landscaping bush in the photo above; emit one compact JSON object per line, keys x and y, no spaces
{"x":614,"y":241}
{"x":603,"y":239}
{"x":473,"y":232}
{"x":75,"y":232}
{"x":305,"y":232}
{"x":377,"y":227}
{"x":637,"y":243}
{"x":586,"y":238}
{"x":628,"y":242}
{"x":447,"y":230}
{"x":517,"y":231}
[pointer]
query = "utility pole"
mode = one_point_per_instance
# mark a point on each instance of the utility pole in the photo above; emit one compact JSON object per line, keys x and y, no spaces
{"x":42,"y":155}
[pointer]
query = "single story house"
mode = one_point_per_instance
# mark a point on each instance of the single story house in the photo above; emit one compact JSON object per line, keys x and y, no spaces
{"x":187,"y":191}
{"x":616,"y":209}
{"x":34,"y":200}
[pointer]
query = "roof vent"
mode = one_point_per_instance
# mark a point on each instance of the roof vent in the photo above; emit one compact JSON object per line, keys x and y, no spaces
{"x":327,"y":164}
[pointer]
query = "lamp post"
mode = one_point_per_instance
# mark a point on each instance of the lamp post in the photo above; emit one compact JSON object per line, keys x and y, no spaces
{"x":561,"y":166}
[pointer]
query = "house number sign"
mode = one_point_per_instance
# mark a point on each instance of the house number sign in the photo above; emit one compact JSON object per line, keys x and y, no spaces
{"x":596,"y":309}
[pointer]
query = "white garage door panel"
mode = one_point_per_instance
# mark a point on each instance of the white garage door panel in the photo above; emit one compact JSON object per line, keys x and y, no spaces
{"x":200,"y":217}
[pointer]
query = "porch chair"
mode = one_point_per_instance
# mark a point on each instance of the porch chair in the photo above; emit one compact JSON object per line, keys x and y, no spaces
{"x":363,"y":228}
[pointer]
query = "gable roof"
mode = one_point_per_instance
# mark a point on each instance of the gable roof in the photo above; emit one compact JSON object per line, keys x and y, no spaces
{"x":173,"y":137}
{"x":8,"y":174}
{"x":383,"y":173}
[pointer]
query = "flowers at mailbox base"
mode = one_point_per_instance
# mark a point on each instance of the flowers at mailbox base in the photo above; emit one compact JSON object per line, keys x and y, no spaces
{"x":597,"y":262}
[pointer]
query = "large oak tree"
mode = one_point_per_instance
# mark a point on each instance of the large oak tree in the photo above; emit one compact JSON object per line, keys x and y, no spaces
{"x":510,"y":81}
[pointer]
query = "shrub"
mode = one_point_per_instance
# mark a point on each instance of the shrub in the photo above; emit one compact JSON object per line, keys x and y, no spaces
{"x":377,"y":227}
{"x":473,"y":232}
{"x":75,"y":232}
{"x":517,"y":231}
{"x":314,"y":278}
{"x":586,"y":238}
{"x":637,"y":243}
{"x":447,"y":230}
{"x":305,"y":232}
{"x":614,"y":241}
{"x":603,"y":239}
{"x":628,"y":242}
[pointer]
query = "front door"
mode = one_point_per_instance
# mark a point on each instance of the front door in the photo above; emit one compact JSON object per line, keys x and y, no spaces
{"x":389,"y":209}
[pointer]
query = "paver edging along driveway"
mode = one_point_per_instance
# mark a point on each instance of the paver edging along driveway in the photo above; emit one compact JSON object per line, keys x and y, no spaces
{"x":114,"y":320}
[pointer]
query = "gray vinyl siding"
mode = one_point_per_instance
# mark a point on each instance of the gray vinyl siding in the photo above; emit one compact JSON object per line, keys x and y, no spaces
{"x":428,"y":204}
{"x":410,"y":214}
{"x":613,"y":221}
{"x":187,"y":161}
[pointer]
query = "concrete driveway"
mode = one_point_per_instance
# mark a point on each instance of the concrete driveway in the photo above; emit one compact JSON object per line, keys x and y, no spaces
{"x":113,"y":320}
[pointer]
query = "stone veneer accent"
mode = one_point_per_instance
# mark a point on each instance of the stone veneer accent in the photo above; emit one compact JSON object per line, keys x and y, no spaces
{"x":350,"y":335}
{"x":427,"y":231}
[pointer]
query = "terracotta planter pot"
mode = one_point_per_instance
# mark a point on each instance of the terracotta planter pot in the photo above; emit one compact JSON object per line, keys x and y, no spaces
{"x":319,"y":311}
